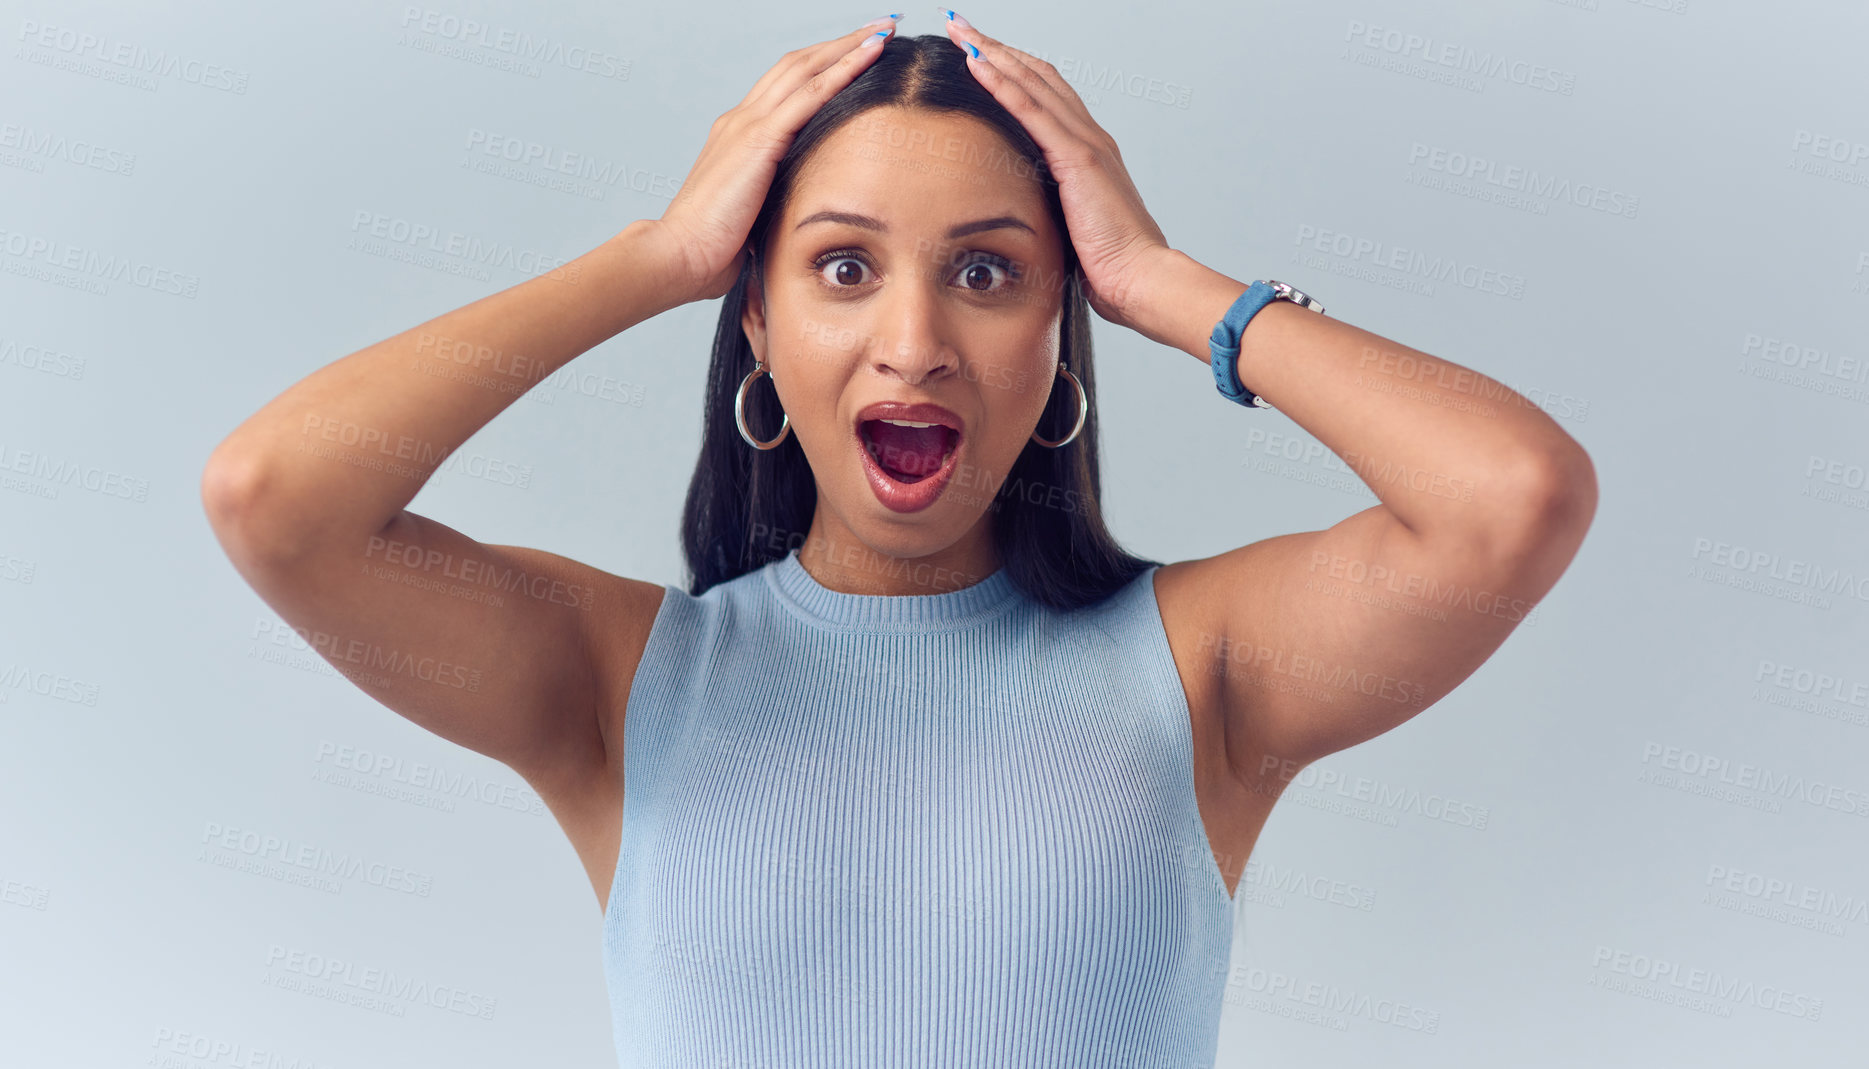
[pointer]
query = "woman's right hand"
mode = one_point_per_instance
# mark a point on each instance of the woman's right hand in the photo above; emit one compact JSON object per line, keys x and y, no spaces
{"x":707,"y":223}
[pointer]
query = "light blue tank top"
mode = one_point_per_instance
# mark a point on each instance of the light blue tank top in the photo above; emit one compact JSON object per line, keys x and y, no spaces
{"x":952,"y":829}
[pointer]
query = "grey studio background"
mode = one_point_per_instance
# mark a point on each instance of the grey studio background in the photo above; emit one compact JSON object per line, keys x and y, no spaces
{"x":1634,"y":838}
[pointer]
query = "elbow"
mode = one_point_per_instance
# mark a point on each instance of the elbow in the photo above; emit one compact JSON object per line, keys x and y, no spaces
{"x":227,"y":483}
{"x":232,"y":485}
{"x":1556,"y":495}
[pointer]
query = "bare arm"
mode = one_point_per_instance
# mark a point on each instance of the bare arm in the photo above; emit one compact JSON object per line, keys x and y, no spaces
{"x":309,"y":496}
{"x":484,"y":645}
{"x":1324,"y":639}
{"x":410,"y":400}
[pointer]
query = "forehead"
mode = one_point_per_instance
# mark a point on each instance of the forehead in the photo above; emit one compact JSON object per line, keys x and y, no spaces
{"x":923,"y":167}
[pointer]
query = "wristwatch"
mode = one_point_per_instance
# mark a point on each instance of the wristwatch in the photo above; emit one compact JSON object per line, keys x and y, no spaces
{"x":1225,"y":343}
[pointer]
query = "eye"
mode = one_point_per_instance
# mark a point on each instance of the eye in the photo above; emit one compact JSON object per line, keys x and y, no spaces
{"x":844,"y":277}
{"x":977,"y":275}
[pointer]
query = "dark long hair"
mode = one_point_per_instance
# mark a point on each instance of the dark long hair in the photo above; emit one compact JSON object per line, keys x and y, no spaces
{"x":747,"y":507}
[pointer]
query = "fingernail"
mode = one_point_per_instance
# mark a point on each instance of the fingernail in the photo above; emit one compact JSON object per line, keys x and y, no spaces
{"x":971,"y":48}
{"x":953,"y":18}
{"x":875,"y":39}
{"x":885,"y":20}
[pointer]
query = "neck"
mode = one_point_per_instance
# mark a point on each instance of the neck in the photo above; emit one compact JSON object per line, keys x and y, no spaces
{"x":842,"y":562}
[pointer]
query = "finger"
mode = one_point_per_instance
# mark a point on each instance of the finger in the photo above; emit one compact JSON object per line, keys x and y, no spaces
{"x":817,"y":55}
{"x":1038,"y":76}
{"x":1049,"y":126}
{"x":799,"y":65}
{"x":812,"y":88}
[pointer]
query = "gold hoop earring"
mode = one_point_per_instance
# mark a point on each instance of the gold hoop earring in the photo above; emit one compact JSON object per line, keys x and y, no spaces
{"x":1083,"y":411}
{"x":739,"y":412}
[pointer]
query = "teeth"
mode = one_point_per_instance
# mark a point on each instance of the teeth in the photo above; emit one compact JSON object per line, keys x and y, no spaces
{"x":906,"y":423}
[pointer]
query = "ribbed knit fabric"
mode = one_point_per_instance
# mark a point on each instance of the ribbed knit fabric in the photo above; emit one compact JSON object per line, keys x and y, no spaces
{"x":952,"y":829}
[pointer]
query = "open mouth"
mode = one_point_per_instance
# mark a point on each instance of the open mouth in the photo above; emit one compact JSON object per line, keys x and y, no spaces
{"x":907,"y":451}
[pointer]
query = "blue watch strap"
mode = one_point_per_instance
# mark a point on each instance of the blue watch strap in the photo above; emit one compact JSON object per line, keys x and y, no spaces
{"x":1225,"y":344}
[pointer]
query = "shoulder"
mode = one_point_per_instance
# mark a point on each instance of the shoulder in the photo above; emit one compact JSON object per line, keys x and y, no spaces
{"x":617,"y":631}
{"x":1191,"y":613}
{"x":1162,"y":601}
{"x":1194,"y":614}
{"x":641,"y":634}
{"x":1203,"y":599}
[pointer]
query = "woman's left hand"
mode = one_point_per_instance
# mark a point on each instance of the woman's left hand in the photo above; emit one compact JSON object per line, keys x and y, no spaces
{"x":1116,"y":240}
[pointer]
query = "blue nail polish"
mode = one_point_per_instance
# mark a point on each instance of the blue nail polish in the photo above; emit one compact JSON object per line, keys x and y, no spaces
{"x":971,"y":48}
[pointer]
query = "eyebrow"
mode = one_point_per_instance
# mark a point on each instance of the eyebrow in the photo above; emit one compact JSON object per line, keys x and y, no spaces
{"x":959,"y":230}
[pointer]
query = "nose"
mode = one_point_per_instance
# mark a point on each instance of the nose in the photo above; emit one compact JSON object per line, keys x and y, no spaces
{"x":911,"y":337}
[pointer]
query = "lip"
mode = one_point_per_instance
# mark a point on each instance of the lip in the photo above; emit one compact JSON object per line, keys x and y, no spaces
{"x":915,"y":496}
{"x":918,"y":413}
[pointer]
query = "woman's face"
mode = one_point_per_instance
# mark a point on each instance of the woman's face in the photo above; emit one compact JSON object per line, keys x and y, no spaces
{"x":916,"y":262}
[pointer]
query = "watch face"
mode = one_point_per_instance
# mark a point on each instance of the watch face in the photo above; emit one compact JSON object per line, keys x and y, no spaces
{"x":1285,"y":291}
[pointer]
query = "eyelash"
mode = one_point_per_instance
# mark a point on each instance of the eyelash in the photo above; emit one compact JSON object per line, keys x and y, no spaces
{"x":991,"y":258}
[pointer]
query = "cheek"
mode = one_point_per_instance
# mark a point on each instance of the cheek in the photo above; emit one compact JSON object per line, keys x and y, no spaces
{"x":1014,"y":408}
{"x":1015,"y":381}
{"x":1000,"y":380}
{"x":810,"y":380}
{"x":816,"y":342}
{"x":1015,"y":359}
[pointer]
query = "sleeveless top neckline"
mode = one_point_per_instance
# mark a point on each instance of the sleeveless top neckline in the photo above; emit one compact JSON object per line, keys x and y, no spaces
{"x":835,"y":610}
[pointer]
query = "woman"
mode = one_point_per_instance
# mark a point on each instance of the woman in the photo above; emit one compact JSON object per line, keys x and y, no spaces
{"x":922,"y":768}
